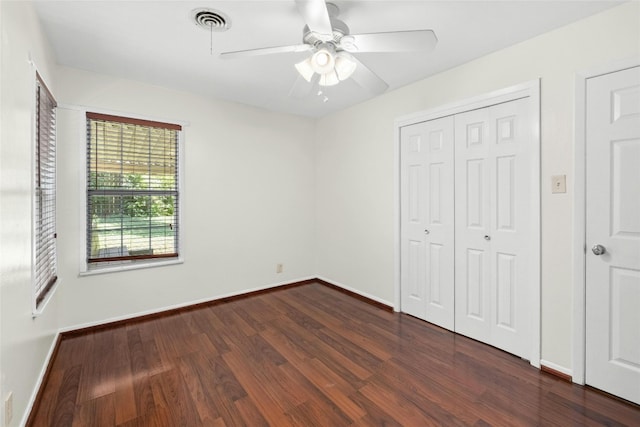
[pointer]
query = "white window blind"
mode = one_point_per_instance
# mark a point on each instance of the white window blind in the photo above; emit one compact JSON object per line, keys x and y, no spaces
{"x":45,"y":270}
{"x":132,"y":189}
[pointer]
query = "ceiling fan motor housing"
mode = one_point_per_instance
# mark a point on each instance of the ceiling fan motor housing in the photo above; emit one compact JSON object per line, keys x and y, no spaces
{"x":340,"y":29}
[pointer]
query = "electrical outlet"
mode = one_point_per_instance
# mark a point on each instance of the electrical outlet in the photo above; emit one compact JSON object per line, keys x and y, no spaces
{"x":559,"y":184}
{"x":8,"y":408}
{"x":279,"y":268}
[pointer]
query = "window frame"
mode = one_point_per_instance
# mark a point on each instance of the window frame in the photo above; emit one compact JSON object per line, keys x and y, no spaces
{"x":88,"y":269}
{"x":41,"y":295}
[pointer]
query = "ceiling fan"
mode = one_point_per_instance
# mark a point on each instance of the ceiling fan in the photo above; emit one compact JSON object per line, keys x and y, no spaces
{"x":332,"y":48}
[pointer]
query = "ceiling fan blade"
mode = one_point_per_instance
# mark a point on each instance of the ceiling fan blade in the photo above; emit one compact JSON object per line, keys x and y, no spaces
{"x":302,"y":88}
{"x":368,"y":79}
{"x":315,"y":15}
{"x":265,"y":51}
{"x":395,"y":41}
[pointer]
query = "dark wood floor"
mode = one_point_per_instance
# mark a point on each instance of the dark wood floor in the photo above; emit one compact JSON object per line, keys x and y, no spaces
{"x":304,"y":356}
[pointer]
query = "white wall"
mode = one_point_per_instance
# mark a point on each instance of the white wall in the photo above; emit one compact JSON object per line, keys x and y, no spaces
{"x":25,"y":341}
{"x":248,"y":200}
{"x":355,"y":161}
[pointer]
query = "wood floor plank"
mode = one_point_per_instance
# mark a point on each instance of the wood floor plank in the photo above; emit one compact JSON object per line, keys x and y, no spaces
{"x":450,"y":405}
{"x":155,"y":361}
{"x":303,"y":356}
{"x":311,"y":413}
{"x":75,"y":351}
{"x":190,"y":367}
{"x":332,"y":385}
{"x":403,"y":410}
{"x":225,"y":391}
{"x":321,"y":350}
{"x":207,"y":324}
{"x":172,"y":387}
{"x":299,"y":316}
{"x":260,"y":310}
{"x":159,"y":417}
{"x":98,"y":412}
{"x":269,"y":405}
{"x":224,"y":381}
{"x":264,"y":374}
{"x":250,"y":414}
{"x":47,"y":407}
{"x":291,"y":349}
{"x":65,"y":407}
{"x":335,"y":388}
{"x":315,"y":405}
{"x":317,"y":314}
{"x":376,"y":415}
{"x":143,"y":395}
{"x":124,"y":395}
{"x":98,"y":378}
{"x":350,"y":349}
{"x":233,"y":322}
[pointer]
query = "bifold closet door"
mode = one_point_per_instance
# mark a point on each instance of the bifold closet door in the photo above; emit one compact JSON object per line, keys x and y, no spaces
{"x":427,"y":254}
{"x":492,"y":224}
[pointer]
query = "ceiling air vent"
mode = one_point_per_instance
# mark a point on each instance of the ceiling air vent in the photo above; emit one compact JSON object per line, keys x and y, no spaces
{"x":211,"y":20}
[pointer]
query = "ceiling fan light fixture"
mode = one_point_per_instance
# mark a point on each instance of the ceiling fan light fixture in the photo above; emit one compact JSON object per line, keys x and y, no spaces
{"x":329,"y":79}
{"x":332,"y":67}
{"x":324,"y":59}
{"x":345,"y":65}
{"x":305,"y":69}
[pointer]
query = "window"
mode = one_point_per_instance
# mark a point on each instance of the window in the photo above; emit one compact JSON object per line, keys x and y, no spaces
{"x":132,"y":190}
{"x":44,"y":270}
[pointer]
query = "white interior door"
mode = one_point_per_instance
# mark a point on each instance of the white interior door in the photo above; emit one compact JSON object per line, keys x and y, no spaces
{"x":494,"y":166}
{"x":613,"y":222}
{"x":427,"y":235}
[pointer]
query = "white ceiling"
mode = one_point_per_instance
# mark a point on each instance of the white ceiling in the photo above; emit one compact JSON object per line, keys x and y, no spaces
{"x":159,"y":43}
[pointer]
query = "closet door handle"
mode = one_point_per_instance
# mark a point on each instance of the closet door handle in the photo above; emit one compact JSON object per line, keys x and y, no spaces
{"x":487,"y":237}
{"x":426,"y":231}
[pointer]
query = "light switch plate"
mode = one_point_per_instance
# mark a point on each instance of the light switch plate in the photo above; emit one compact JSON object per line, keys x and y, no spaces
{"x":559,"y":184}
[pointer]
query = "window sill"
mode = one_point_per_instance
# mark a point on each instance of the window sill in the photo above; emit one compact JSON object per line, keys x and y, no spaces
{"x":37,"y":311}
{"x":137,"y":266}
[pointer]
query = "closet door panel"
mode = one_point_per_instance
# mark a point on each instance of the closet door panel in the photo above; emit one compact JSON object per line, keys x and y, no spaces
{"x":472,"y":224}
{"x":427,"y":269}
{"x":413,"y":145}
{"x":492,"y":158}
{"x":510,"y":238}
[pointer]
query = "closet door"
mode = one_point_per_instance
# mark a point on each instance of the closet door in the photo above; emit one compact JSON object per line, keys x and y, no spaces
{"x":493,"y":169}
{"x":427,"y":271}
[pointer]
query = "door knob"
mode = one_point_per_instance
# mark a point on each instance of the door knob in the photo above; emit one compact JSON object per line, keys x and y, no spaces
{"x":487,"y":237}
{"x":598,"y":249}
{"x":426,"y":231}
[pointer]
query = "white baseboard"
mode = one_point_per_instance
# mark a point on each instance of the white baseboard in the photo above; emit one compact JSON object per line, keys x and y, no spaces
{"x":356,"y":291}
{"x":36,"y":389}
{"x":181,"y":305}
{"x":556,"y":367}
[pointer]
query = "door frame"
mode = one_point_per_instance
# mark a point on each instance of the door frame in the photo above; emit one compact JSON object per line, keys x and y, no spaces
{"x":530,"y":89}
{"x":579,"y":348}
